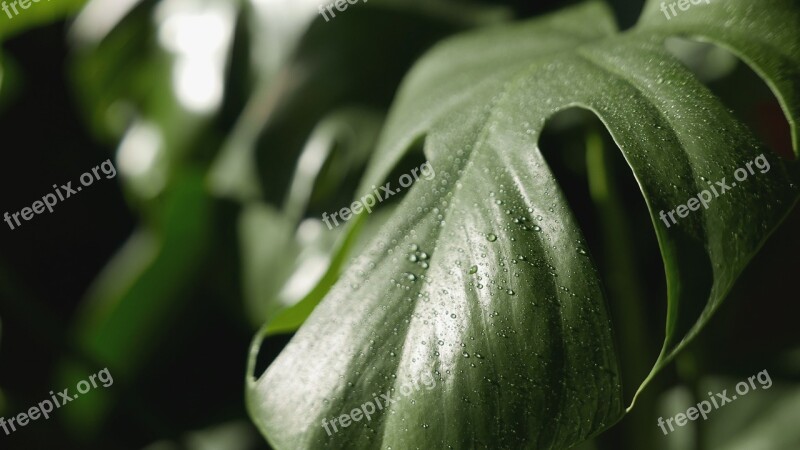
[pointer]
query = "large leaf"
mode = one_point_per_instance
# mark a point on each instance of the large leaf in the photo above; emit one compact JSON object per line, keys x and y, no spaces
{"x":507,"y":312}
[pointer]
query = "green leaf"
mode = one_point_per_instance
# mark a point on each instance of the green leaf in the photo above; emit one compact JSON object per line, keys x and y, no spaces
{"x":768,"y":422}
{"x":37,"y":14}
{"x":145,"y":287}
{"x":289,"y":100}
{"x":765,"y":417}
{"x":287,"y":258}
{"x":160,"y":95}
{"x":139,"y":291}
{"x":509,"y":315}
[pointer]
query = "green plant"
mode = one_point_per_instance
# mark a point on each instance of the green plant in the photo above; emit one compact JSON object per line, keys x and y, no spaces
{"x":508,"y":311}
{"x":533,"y":292}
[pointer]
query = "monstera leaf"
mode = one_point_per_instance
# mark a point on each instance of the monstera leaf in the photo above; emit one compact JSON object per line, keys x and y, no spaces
{"x":477,"y":318}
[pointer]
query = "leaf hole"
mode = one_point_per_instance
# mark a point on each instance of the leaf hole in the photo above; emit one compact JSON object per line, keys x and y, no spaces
{"x":268,"y":350}
{"x":740,"y":89}
{"x":610,"y":210}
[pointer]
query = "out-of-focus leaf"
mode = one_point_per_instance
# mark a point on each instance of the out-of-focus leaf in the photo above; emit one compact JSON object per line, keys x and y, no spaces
{"x":131,"y":305}
{"x":279,"y":25}
{"x":268,"y":249}
{"x":2,"y":80}
{"x":281,"y":262}
{"x":354,"y":241}
{"x":332,"y":160}
{"x":127,"y":307}
{"x":227,"y":436}
{"x":765,"y":418}
{"x":163,"y":66}
{"x":291,"y":318}
{"x":284,"y":254}
{"x":98,"y":18}
{"x":11,"y":80}
{"x":327,"y":68}
{"x":37,"y":14}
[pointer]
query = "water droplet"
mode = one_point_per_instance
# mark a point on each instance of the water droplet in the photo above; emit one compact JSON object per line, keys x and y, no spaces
{"x":491,"y":237}
{"x":412,"y":258}
{"x":465,"y":355}
{"x":510,"y":292}
{"x":473,"y":269}
{"x":537,"y":228}
{"x":411,"y":277}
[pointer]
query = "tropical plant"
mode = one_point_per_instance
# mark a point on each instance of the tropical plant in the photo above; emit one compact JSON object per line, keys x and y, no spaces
{"x":547,"y":286}
{"x":507,"y":309}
